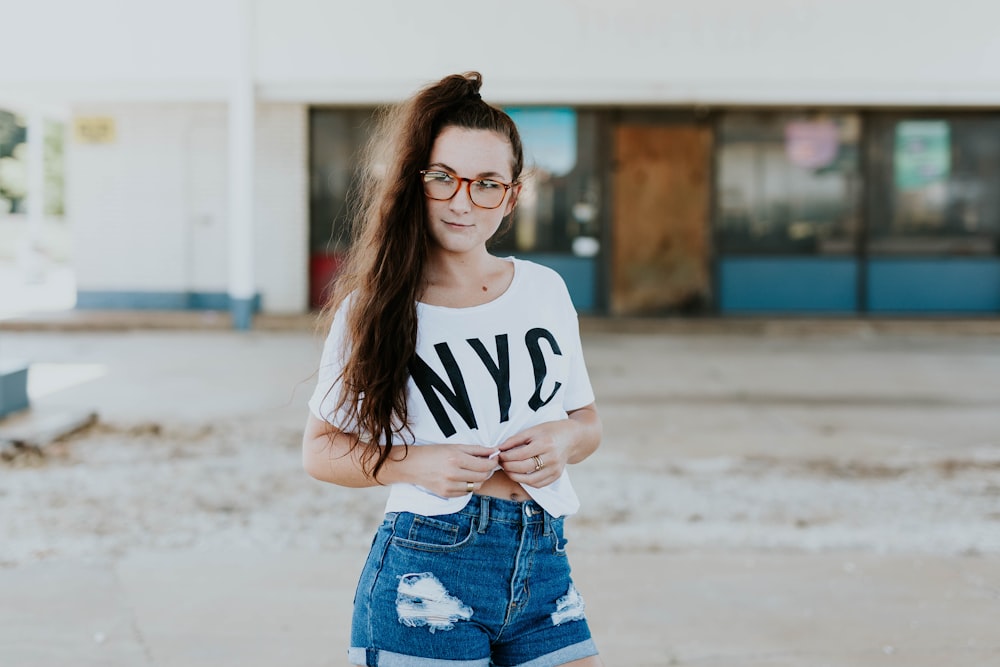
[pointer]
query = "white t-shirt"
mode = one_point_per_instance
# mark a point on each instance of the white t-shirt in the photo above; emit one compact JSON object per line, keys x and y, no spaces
{"x":481,"y":375}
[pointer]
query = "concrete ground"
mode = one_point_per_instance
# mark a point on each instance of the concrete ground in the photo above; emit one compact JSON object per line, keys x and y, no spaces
{"x":768,"y":493}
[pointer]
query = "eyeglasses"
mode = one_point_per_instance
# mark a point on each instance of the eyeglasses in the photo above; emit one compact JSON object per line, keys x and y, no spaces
{"x":484,"y":192}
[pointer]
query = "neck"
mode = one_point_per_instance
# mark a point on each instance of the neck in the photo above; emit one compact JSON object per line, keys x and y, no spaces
{"x":450,"y":269}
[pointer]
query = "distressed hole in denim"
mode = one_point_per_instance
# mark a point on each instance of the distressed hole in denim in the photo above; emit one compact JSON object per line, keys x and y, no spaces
{"x":569,"y":607}
{"x":421,"y":600}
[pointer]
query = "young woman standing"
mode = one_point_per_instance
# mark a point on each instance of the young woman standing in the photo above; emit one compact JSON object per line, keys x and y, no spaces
{"x":456,"y":378}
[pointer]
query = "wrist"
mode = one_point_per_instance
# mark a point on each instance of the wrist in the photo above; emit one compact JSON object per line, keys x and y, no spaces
{"x":586,"y":435}
{"x":394,"y":469}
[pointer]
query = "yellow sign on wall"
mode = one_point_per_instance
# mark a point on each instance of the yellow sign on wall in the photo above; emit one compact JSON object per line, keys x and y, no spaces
{"x":94,"y":130}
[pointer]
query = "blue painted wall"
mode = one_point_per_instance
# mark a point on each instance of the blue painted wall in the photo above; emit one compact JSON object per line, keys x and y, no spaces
{"x":787,"y":285}
{"x":745,"y":285}
{"x":934,"y":285}
{"x":94,"y":300}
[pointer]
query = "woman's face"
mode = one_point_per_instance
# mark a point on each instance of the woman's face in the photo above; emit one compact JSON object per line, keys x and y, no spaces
{"x":457,"y":225}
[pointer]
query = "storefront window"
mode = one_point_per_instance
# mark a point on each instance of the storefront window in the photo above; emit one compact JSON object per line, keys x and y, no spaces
{"x":337,"y":138}
{"x":788,"y":183}
{"x":936,"y":186}
{"x":558,"y":209}
{"x":13,"y":163}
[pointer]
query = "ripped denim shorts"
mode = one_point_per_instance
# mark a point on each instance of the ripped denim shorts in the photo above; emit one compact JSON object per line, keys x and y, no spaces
{"x":489,"y":585}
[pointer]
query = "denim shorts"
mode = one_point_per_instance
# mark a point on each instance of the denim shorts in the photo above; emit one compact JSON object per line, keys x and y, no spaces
{"x":489,"y":585}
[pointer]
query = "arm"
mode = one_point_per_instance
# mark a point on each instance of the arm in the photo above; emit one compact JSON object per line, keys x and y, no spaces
{"x":445,"y":470}
{"x":589,"y":432}
{"x":556,"y":444}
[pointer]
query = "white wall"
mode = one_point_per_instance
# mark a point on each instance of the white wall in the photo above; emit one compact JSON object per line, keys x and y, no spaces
{"x":101,"y":50}
{"x":281,"y":207}
{"x":128,"y":201}
{"x":149,"y":211}
{"x":640,"y":51}
{"x":573,"y":51}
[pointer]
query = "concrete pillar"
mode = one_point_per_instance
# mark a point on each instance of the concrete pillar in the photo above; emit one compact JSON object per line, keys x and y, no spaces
{"x":242,"y":100}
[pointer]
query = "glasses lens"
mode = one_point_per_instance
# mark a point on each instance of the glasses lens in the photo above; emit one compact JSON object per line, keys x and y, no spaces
{"x":440,"y":185}
{"x":487,"y":194}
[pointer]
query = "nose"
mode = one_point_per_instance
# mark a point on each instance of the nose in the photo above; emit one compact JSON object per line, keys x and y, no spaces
{"x":461,"y":202}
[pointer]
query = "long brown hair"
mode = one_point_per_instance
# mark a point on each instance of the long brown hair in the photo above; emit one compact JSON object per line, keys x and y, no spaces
{"x":383,"y":271}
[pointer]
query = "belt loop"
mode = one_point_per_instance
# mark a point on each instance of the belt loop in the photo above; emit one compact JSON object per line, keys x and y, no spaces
{"x":547,"y":523}
{"x":484,"y":513}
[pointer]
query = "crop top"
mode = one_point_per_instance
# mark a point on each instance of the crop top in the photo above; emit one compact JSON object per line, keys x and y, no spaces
{"x":480,"y":375}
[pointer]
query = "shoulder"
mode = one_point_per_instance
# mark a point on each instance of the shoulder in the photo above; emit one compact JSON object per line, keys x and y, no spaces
{"x":335,"y":320}
{"x":533,"y":268}
{"x":545,"y":286}
{"x":538,"y":274}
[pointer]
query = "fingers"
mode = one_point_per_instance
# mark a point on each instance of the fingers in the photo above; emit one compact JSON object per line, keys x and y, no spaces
{"x":537,"y":478}
{"x":515,"y":441}
{"x":522,"y":458}
{"x":473,"y":465}
{"x":537,"y":464}
{"x":530,"y":471}
{"x":454,"y":488}
{"x":449,"y":470}
{"x":459,"y":483}
{"x":537,"y":456}
{"x":478,"y":459}
{"x":528,"y":463}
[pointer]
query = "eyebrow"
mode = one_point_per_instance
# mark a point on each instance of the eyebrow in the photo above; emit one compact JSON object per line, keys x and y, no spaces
{"x":483,"y":174}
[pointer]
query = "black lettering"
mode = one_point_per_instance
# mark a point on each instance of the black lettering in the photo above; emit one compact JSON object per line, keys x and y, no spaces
{"x":499,"y":370}
{"x":431,"y":385}
{"x":538,"y":365}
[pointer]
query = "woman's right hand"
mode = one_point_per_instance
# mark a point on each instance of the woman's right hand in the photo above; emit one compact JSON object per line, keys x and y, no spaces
{"x":444,"y":470}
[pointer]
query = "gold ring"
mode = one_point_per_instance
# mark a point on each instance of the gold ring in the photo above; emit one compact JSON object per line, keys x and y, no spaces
{"x":538,"y":463}
{"x":469,"y":487}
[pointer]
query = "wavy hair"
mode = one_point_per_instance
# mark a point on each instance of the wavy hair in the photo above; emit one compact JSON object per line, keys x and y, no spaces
{"x":382,"y":276}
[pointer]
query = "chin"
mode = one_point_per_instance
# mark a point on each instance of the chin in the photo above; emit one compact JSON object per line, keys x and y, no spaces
{"x":456,"y":241}
{"x":457,"y":248}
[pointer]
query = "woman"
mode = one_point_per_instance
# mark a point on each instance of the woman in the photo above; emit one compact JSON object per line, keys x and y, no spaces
{"x":457,"y":378}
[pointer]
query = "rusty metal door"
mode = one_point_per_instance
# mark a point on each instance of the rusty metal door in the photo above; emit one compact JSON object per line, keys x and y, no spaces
{"x":661,"y":240}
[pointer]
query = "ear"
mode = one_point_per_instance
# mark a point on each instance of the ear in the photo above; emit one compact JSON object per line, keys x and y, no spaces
{"x":512,"y":202}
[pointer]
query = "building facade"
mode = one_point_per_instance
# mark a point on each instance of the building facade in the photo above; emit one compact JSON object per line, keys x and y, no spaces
{"x":717,"y":157}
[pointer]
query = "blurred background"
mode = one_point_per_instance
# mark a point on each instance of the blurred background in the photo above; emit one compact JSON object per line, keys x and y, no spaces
{"x":689,"y":157}
{"x":779,"y":218}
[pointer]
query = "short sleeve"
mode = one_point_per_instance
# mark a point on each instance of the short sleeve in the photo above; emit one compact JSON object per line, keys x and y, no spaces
{"x":579,"y":392}
{"x":326,"y":396}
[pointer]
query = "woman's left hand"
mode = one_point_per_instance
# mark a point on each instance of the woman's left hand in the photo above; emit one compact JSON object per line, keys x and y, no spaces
{"x":538,"y":455}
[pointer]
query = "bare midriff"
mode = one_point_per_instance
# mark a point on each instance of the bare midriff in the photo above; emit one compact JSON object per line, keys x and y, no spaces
{"x":502,"y":486}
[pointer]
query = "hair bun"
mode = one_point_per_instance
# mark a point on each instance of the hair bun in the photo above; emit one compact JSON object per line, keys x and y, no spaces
{"x":473,"y":81}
